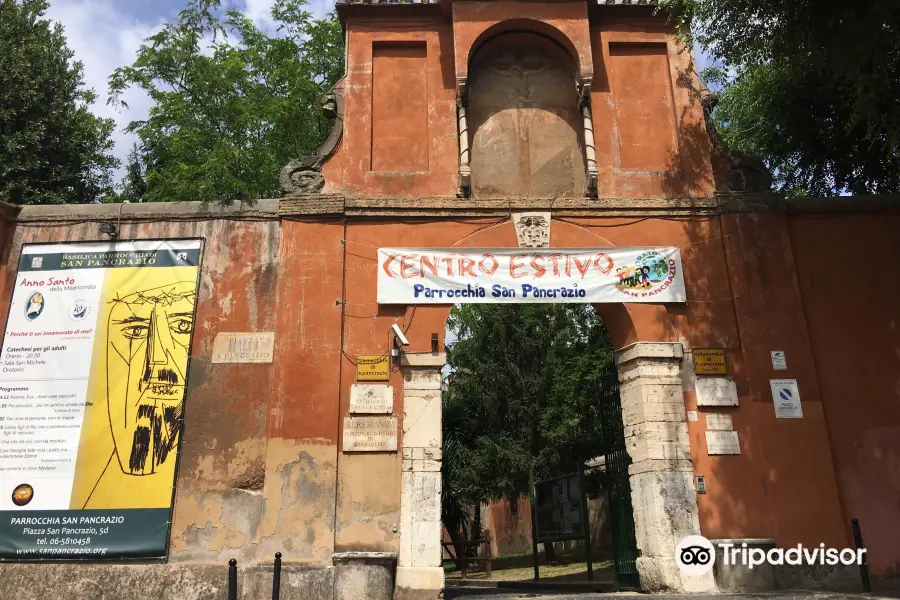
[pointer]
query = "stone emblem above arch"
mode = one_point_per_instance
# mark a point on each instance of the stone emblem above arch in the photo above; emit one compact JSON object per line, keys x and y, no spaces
{"x":566,"y":23}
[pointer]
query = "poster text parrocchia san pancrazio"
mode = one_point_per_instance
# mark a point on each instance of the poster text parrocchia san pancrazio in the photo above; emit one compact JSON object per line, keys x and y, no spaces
{"x":92,"y":388}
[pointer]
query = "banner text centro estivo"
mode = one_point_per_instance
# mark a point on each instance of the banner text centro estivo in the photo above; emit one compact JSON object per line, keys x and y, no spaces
{"x":516,"y":275}
{"x":92,"y":390}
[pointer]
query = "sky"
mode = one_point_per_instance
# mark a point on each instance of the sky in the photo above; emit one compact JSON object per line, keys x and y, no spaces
{"x":106,"y":34}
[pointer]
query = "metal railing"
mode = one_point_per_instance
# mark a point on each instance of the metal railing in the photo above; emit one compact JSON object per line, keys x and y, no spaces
{"x":466,"y":558}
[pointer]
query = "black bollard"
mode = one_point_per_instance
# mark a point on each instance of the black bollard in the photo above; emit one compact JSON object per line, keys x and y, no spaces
{"x":276,"y":578}
{"x":863,"y":567}
{"x":232,"y":579}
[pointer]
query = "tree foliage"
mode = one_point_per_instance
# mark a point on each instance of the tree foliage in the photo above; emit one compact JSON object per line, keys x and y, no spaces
{"x":811,"y":86}
{"x":231,"y":104}
{"x":52,"y":149}
{"x":521,"y":396}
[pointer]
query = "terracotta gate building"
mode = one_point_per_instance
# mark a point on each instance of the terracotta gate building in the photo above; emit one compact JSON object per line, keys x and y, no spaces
{"x":456,"y":121}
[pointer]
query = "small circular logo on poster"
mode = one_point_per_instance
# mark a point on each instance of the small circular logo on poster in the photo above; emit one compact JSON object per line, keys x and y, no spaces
{"x":650,"y":274}
{"x":23,"y":494}
{"x":34,"y":306}
{"x":79,"y":310}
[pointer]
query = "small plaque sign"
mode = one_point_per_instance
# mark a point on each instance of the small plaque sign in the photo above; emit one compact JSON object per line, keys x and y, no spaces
{"x":718,"y":422}
{"x":371,"y":398}
{"x":786,"y":396}
{"x":715,"y":391}
{"x":243,"y":347}
{"x":373,"y":367}
{"x":370,"y":434}
{"x":709,"y":361}
{"x":722,"y":442}
{"x":779,"y":361}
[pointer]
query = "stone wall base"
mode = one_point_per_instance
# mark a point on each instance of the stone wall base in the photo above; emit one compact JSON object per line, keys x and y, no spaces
{"x":364,"y":575}
{"x":160,"y":582}
{"x":662,"y":575}
{"x":419,"y":583}
{"x":766,"y":577}
{"x":740,"y":578}
{"x":818,"y":577}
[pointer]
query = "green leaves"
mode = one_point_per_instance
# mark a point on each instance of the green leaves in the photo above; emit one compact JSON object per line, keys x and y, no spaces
{"x":52,"y":149}
{"x":813,"y":90}
{"x":521,"y":396}
{"x":232,"y":105}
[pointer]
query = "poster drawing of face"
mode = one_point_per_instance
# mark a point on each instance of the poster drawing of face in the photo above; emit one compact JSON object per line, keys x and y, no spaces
{"x":148,"y":344}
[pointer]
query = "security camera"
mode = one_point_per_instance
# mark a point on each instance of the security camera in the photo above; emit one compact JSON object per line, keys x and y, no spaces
{"x":398,"y":333}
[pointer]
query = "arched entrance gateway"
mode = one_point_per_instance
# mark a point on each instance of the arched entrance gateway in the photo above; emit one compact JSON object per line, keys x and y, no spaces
{"x":557,"y":150}
{"x":526,"y":130}
{"x":649,"y":363}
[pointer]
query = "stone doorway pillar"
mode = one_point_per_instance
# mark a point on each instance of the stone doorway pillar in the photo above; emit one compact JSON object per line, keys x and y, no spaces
{"x":662,"y":478}
{"x":420,"y":572}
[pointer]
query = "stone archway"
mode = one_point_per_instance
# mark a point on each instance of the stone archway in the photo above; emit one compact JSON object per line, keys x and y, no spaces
{"x":649,"y":364}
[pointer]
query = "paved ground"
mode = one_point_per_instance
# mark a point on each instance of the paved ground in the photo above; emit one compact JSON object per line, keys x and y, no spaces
{"x":498,"y":594}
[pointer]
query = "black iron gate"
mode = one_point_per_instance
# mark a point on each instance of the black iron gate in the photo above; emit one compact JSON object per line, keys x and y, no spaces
{"x":616,"y":481}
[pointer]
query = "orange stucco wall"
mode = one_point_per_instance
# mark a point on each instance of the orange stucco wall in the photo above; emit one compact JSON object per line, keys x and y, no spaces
{"x":649,"y":133}
{"x":413,"y":161}
{"x":850,"y":305}
{"x":641,"y":115}
{"x":262,"y":468}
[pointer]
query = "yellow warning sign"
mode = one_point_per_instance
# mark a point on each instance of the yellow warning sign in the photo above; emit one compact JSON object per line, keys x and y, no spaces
{"x":709,"y":361}
{"x":373,"y":367}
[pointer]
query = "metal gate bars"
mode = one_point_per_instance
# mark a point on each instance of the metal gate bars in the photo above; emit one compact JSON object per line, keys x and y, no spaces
{"x":612,"y":431}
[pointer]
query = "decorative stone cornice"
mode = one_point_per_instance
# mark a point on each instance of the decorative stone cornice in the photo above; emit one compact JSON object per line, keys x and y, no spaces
{"x":358,"y":206}
{"x":337,"y":206}
{"x":654,"y":350}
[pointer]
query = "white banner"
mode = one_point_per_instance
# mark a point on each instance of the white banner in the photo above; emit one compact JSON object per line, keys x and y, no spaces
{"x":520,"y":275}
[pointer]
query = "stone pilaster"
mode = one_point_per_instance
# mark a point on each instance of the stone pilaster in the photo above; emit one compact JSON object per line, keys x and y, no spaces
{"x":419,"y":570}
{"x":661,"y":473}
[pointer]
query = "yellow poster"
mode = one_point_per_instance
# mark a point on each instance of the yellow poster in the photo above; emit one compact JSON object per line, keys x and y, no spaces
{"x":129,"y":443}
{"x":93,"y":385}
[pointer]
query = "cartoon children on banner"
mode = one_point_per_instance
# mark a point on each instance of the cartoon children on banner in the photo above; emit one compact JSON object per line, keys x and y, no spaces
{"x":649,"y":269}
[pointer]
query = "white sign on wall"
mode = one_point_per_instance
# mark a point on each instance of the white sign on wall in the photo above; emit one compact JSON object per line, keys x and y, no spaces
{"x":722,"y":442}
{"x":786,"y":396}
{"x":779,"y":361}
{"x":370,"y":434}
{"x":243,"y":347}
{"x":371,"y":398}
{"x":715,"y":391}
{"x":719,"y":422}
{"x":517,"y":275}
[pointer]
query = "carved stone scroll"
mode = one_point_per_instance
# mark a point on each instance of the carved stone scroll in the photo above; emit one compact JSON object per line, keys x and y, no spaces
{"x":304,"y":174}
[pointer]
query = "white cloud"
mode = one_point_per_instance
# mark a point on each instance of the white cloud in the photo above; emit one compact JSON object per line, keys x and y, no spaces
{"x":260,"y":11}
{"x":103,"y":39}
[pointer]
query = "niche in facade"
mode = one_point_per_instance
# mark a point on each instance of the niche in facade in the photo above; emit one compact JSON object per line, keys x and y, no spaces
{"x":524,"y":119}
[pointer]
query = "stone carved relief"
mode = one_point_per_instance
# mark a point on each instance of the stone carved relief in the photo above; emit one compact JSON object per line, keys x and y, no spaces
{"x":525,"y":119}
{"x":532,"y":229}
{"x":746,"y":173}
{"x":304,"y":174}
